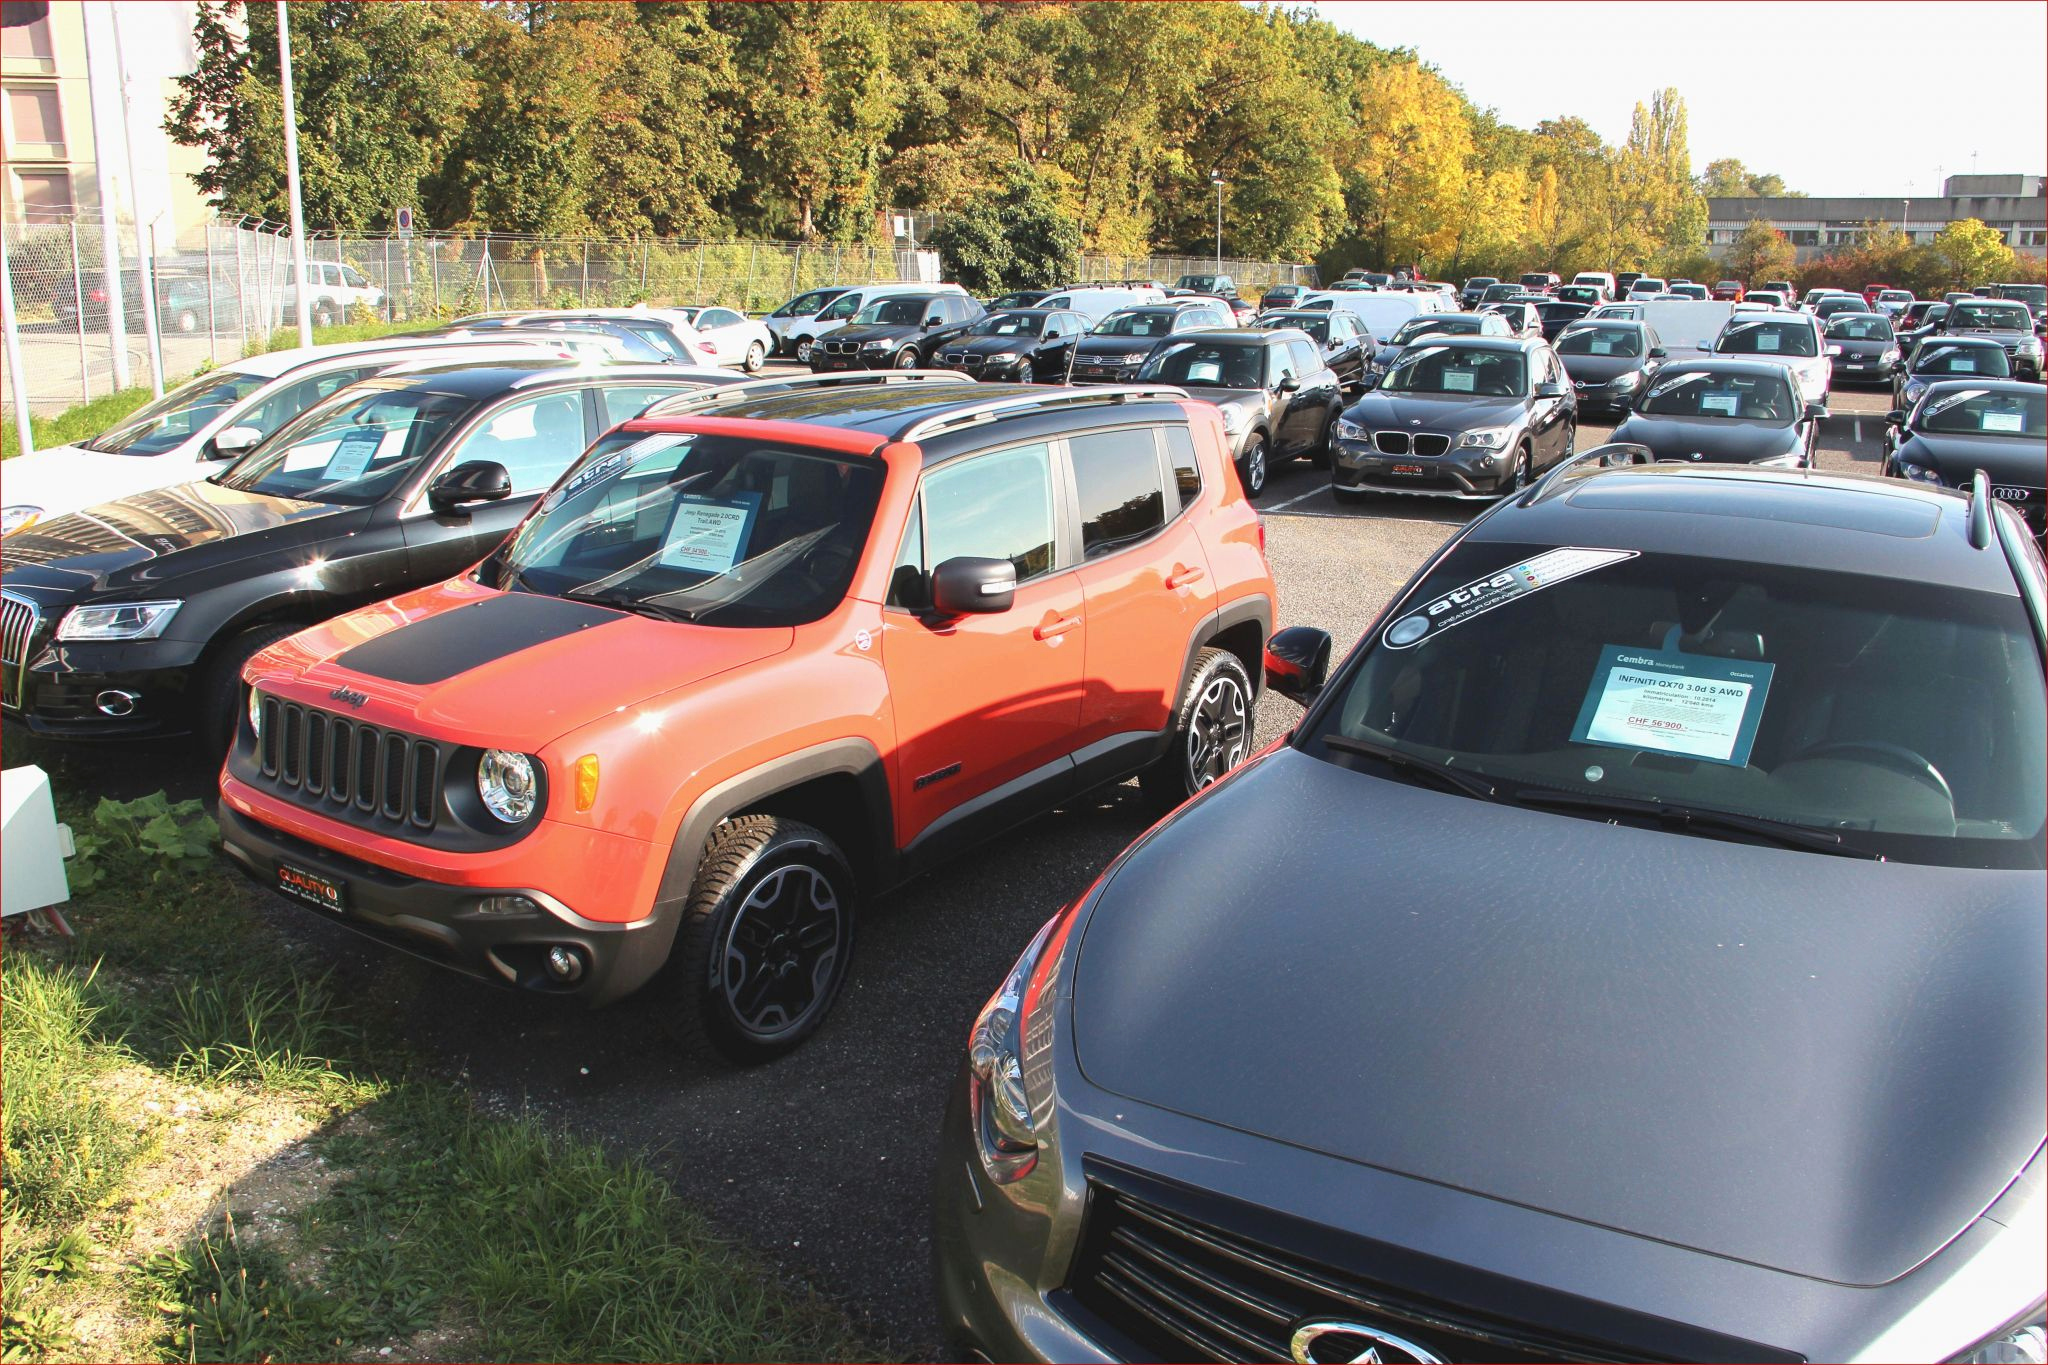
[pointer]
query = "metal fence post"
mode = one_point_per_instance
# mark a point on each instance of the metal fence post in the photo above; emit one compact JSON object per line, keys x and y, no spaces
{"x":78,"y":318}
{"x":390,"y":299}
{"x":241,"y":292}
{"x":434,"y":265}
{"x":583,"y":291}
{"x":212,"y":289}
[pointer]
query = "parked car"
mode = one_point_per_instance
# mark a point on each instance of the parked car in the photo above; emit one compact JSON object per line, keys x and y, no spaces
{"x":1620,"y":312}
{"x":1861,"y":349}
{"x":2006,"y":320}
{"x":1458,"y":417}
{"x":1220,"y":285}
{"x":1592,"y":295}
{"x":1487,"y":324}
{"x":1938,"y":358}
{"x":800,"y":335}
{"x":624,"y":343}
{"x":1790,"y":340}
{"x":332,"y":288}
{"x":734,"y":338}
{"x":670,"y":332}
{"x":1783,"y":287}
{"x":1726,"y":411}
{"x":1019,"y":298}
{"x":1521,"y":317}
{"x":1892,"y":302}
{"x":184,"y":303}
{"x":1729,"y":291}
{"x":197,"y":428}
{"x":1870,"y":293}
{"x":1475,"y":290}
{"x":1955,"y":296}
{"x":1562,"y":874}
{"x":1277,"y":398}
{"x":1556,"y":315}
{"x":1609,"y":362}
{"x":1624,"y":281}
{"x":1829,"y":305}
{"x":1769,"y":298}
{"x":1117,"y":347}
{"x":1501,"y":293}
{"x":1346,"y":346}
{"x":1686,"y":289}
{"x":1644,"y":288}
{"x":1097,"y":302}
{"x":1017,"y":345}
{"x":1919,"y":314}
{"x":1961,"y":426}
{"x":1280,"y":296}
{"x":733,"y":678}
{"x":785,"y":322}
{"x":1606,"y":283}
{"x":896,"y":331}
{"x":1540,"y":281}
{"x":2035,"y":296}
{"x":141,"y":611}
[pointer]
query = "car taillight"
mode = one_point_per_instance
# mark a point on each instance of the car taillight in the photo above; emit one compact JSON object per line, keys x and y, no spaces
{"x":707,"y":348}
{"x":98,"y":296}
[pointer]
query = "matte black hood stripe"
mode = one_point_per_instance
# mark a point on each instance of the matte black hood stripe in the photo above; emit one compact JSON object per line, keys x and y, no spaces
{"x":440,"y":647}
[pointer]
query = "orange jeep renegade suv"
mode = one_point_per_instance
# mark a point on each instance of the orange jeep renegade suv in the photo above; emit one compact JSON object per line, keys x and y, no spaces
{"x":750,"y":661}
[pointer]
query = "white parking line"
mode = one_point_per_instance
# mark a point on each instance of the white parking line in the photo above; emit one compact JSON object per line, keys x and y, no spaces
{"x":1353,"y":516}
{"x":1859,"y":431}
{"x":1303,"y":497}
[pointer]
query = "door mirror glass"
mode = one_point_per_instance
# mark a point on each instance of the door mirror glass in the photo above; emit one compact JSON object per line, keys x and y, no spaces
{"x":234,"y":440}
{"x":970,"y":585}
{"x":1288,"y":384}
{"x":472,"y":481}
{"x":1298,"y":662}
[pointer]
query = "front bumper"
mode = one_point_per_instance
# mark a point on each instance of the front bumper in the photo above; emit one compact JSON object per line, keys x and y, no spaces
{"x":1099,"y":372}
{"x":58,"y":695}
{"x":1472,"y":475}
{"x":1855,"y":370}
{"x":826,"y":362}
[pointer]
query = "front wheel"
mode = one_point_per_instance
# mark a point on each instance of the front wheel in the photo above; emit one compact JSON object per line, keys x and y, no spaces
{"x":1212,"y":730}
{"x":1251,"y":467}
{"x":765,"y":941}
{"x":906,"y":359}
{"x":187,"y":320}
{"x":220,"y":698}
{"x":757,"y":356}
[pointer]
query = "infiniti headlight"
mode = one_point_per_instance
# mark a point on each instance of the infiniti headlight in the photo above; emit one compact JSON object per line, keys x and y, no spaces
{"x":2023,"y":1342}
{"x":1485,"y":438}
{"x":1009,"y":1057}
{"x":18,"y":517}
{"x":1348,"y":430}
{"x":119,"y":621}
{"x":507,"y":783}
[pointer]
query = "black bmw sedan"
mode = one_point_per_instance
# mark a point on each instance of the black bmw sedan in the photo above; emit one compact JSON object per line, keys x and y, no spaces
{"x":1635,"y":952}
{"x":132,"y":619}
{"x":1458,"y":417}
{"x":1610,"y":362}
{"x":1961,"y":426}
{"x":1027,"y":345}
{"x":1718,"y":411}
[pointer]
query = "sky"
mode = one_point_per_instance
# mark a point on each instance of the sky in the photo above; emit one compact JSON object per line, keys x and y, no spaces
{"x":1806,"y":90}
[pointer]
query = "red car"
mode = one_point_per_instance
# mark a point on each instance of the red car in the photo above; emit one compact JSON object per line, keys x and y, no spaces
{"x":1729,"y":291}
{"x":1871,"y":291}
{"x":750,"y":664}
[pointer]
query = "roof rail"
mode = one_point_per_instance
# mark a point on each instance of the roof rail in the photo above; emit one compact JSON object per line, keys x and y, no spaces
{"x":992,"y":408}
{"x":1980,"y":511}
{"x":798,"y":383}
{"x":1613,"y":455}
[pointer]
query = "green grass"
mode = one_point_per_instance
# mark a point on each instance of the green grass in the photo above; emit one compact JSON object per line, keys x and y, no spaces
{"x":73,"y":424}
{"x":285,"y":338}
{"x":444,"y":1231}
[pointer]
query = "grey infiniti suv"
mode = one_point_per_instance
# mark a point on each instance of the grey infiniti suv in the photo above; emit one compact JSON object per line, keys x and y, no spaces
{"x":1636,"y":953}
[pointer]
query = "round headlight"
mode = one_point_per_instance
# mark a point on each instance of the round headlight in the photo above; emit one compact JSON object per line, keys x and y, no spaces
{"x":506,"y":783}
{"x":255,"y":713}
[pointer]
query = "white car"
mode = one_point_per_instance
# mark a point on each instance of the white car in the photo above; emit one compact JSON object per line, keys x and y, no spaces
{"x":1646,"y":288}
{"x":1795,"y":340}
{"x":734,"y":338}
{"x":799,"y":332}
{"x":196,"y":429}
{"x":332,"y":289}
{"x":1095,"y":304}
{"x":1599,"y":279}
{"x":1620,"y":312}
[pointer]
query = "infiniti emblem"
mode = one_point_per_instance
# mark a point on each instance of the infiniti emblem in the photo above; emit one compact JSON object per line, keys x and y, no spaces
{"x":1332,"y":1341}
{"x":352,"y":698}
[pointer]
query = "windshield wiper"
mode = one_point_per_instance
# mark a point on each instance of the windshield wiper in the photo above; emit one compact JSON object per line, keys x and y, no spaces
{"x":1779,"y":831}
{"x":1447,"y":778}
{"x":638,"y":606}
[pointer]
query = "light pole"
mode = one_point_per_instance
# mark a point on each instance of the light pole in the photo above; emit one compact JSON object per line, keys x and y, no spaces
{"x":303,"y":305}
{"x":1216,"y":179}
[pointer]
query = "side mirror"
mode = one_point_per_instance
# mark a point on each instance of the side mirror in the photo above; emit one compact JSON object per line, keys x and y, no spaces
{"x":1816,"y":411}
{"x":1369,"y":380}
{"x":1707,"y":346}
{"x":1895,"y":418}
{"x":1288,"y":384}
{"x":233,"y":441}
{"x":1298,"y":662}
{"x":969,"y":585}
{"x":1658,"y":353}
{"x":1550,"y":390}
{"x":932,"y":321}
{"x":471,"y":481}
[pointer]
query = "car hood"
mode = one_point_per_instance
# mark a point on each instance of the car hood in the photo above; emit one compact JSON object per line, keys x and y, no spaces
{"x":464,"y":662}
{"x":2007,"y":460}
{"x":1734,"y":440}
{"x":1599,"y":369}
{"x":66,"y":478}
{"x":1818,"y":1064}
{"x":1434,"y":411}
{"x":149,"y":540}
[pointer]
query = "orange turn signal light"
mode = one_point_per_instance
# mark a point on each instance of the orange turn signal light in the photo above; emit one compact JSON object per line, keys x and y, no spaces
{"x":586,"y":782}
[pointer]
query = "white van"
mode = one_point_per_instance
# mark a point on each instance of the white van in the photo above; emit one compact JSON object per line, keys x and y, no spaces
{"x":1599,"y":279}
{"x":1379,"y":313}
{"x":1097,"y":304}
{"x":796,"y":333}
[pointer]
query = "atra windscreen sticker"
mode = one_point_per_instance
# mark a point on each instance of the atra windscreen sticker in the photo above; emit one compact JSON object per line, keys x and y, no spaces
{"x":1692,"y":705}
{"x":606,"y":466}
{"x":1483,"y":595}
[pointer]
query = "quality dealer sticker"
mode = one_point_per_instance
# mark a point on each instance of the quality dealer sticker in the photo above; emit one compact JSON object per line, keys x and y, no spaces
{"x":1484,"y":594}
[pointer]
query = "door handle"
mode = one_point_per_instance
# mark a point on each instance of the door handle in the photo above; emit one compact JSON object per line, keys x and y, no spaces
{"x":1182,"y":576}
{"x":1059,"y":625}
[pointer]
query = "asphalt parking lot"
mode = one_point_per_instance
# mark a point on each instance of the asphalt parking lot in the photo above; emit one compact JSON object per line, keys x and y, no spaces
{"x":821,"y":1162}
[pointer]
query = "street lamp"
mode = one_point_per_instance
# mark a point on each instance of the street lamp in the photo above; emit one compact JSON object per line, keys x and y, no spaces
{"x":1216,"y":179}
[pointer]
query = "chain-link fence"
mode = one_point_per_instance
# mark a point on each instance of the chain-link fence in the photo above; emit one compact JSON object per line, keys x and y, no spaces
{"x":1249,"y":276}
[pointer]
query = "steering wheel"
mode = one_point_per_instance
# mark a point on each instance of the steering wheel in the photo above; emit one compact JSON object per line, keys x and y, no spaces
{"x":1896,"y":756}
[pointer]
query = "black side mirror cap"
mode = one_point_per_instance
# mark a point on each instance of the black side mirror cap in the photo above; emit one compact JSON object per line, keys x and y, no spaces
{"x":1895,"y":418}
{"x":471,"y":481}
{"x":1288,"y":384}
{"x":1658,"y":353}
{"x":969,"y":585}
{"x":1298,"y":662}
{"x":1816,"y":411}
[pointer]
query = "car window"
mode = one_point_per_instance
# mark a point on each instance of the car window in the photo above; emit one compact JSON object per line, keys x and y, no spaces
{"x":1187,"y":472}
{"x":624,"y":402}
{"x":354,"y":279}
{"x":720,"y":317}
{"x":894,"y":312}
{"x":1935,"y":357}
{"x":1983,"y":412}
{"x":355,"y":448}
{"x":841,"y":308}
{"x":172,"y":419}
{"x":1138,"y":323}
{"x":1859,"y":327}
{"x":1207,"y":364}
{"x":535,"y":439}
{"x":1447,"y":368}
{"x":997,"y":506}
{"x":803,"y":305}
{"x":1118,"y":487}
{"x":1763,"y":337}
{"x":1828,"y":690}
{"x":2008,"y":316}
{"x":1706,"y":393}
{"x":1306,"y":360}
{"x":291,"y":400}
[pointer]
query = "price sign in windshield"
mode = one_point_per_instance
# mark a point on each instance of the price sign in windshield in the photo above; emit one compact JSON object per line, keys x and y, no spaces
{"x":1687,"y":704}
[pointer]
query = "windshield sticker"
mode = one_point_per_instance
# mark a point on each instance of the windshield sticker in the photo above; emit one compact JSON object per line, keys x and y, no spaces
{"x":1727,"y":404}
{"x":1483,"y":595}
{"x":1944,"y":404}
{"x":1679,"y":382}
{"x":1963,"y":364}
{"x":2004,"y":421}
{"x":709,"y":535}
{"x":1602,"y":347}
{"x":1767,"y":341}
{"x":1687,"y":704}
{"x":1459,"y":381}
{"x":352,"y":455}
{"x":606,"y":466}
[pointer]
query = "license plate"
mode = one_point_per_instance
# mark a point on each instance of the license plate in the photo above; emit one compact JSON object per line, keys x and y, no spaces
{"x":323,"y":893}
{"x":1408,"y":469}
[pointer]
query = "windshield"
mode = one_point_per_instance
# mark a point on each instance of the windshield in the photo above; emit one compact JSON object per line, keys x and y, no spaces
{"x":1482,"y":282}
{"x":1711,"y":393}
{"x":1689,"y":291}
{"x":1317,"y":327}
{"x":1893,"y":296}
{"x":659,"y":337}
{"x":1905,"y":717}
{"x":1938,"y":357}
{"x":1646,"y":285}
{"x":1596,"y":340}
{"x":901,"y":312}
{"x":1009,"y":325}
{"x":1859,"y":327}
{"x":174,"y":418}
{"x":725,"y":530}
{"x":2035,"y":294}
{"x":1204,"y":284}
{"x":1458,"y":369}
{"x":356,"y":448}
{"x":1983,"y":412}
{"x":1422,"y":327}
{"x":1149,"y":324}
{"x":1208,"y":365}
{"x":1497,"y":292}
{"x":2006,"y":316}
{"x":1767,"y":338}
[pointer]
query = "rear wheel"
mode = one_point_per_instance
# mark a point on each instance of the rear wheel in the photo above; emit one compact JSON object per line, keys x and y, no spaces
{"x":220,"y":695}
{"x":1319,"y":454}
{"x":1251,"y":466}
{"x":756,"y":357}
{"x":187,"y":320}
{"x":804,"y":346}
{"x":1212,"y":730}
{"x":1521,"y":475}
{"x":764,"y":943}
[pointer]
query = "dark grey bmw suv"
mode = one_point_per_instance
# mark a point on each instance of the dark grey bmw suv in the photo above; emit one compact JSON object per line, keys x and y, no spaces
{"x":1636,"y":953}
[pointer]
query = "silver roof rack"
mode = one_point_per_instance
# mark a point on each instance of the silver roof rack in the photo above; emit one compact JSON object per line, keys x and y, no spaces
{"x":992,"y":408}
{"x":1613,"y":455}
{"x":770,"y":385}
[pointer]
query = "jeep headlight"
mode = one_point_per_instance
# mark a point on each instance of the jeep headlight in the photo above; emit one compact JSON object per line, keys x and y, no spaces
{"x":18,"y":517}
{"x":256,"y":713}
{"x":1484,"y":438}
{"x":506,"y":782}
{"x":1009,"y":1056}
{"x":1348,"y":430}
{"x":117,"y":621}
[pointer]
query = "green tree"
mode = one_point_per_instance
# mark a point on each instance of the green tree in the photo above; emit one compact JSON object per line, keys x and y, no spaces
{"x":1018,"y":240}
{"x":1970,"y":252}
{"x":1760,"y":253}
